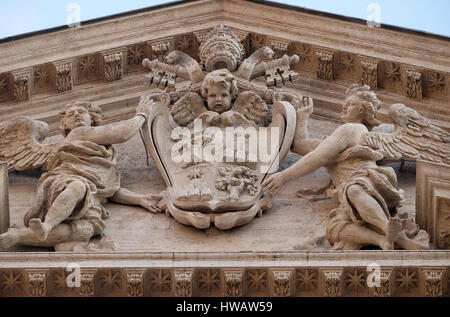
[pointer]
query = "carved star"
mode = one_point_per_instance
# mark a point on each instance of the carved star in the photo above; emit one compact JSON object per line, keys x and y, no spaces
{"x":407,"y":280}
{"x":12,"y":282}
{"x":185,"y":43}
{"x":437,"y":81}
{"x":304,"y":53}
{"x":3,"y":84}
{"x":41,"y":76}
{"x":87,"y":65}
{"x":209,"y":281}
{"x":392,"y":72}
{"x":355,"y":280}
{"x":110,"y":280}
{"x":60,"y":281}
{"x":347,"y":61}
{"x":160,"y":281}
{"x":135,"y":54}
{"x":257,"y":280}
{"x":307,"y":280}
{"x":256,"y":40}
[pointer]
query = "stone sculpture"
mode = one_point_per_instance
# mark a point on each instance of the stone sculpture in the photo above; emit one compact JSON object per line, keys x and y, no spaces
{"x":367,"y":193}
{"x":81,"y":175}
{"x":208,"y":181}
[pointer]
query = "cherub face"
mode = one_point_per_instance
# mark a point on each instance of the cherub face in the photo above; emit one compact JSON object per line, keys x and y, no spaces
{"x":76,"y":116}
{"x":219,"y":98}
{"x":352,"y":110}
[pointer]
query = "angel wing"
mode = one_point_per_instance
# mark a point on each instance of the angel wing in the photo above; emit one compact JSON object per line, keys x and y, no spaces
{"x":414,"y":138}
{"x":20,"y":143}
{"x":253,"y":108}
{"x":189,"y":107}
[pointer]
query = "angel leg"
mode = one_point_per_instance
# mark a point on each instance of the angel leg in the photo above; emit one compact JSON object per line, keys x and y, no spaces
{"x":61,"y":235}
{"x":353,"y":234}
{"x":60,"y":210}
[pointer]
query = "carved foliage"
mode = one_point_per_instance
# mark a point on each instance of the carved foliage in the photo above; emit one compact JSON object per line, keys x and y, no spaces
{"x":433,"y":283}
{"x":21,"y":87}
{"x":183,"y":284}
{"x":332,"y":283}
{"x":37,"y":282}
{"x":384,"y":290}
{"x":64,"y":77}
{"x":160,"y":50}
{"x":256,"y":280}
{"x":233,"y":283}
{"x":208,"y":280}
{"x":135,"y":283}
{"x":325,"y":66}
{"x":110,"y":280}
{"x":282,"y":283}
{"x":279,"y":48}
{"x":369,"y":75}
{"x":87,"y":281}
{"x":113,"y":66}
{"x":414,"y":84}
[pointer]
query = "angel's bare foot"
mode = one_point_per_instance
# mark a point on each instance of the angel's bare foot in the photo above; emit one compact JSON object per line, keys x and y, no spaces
{"x":394,"y":227}
{"x":39,"y":228}
{"x":420,"y":242}
{"x":31,"y":213}
{"x":386,"y":245}
{"x":10,"y":238}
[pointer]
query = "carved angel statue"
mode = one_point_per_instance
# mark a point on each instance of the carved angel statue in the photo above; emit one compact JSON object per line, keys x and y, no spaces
{"x":367,"y":193}
{"x":81,"y":175}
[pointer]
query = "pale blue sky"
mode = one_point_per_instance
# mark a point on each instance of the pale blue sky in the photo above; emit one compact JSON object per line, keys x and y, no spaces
{"x":23,"y":16}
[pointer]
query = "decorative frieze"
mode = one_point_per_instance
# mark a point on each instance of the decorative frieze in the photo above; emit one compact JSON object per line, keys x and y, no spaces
{"x":21,"y":86}
{"x":325,"y":69}
{"x":384,"y":289}
{"x":135,"y":282}
{"x":279,"y":48}
{"x":282,"y":282}
{"x":392,"y":74}
{"x":436,"y":81}
{"x":42,"y":76}
{"x":208,"y":281}
{"x":255,"y":41}
{"x":256,"y":280}
{"x":160,"y":281}
{"x":64,"y":77}
{"x":332,"y":283}
{"x":355,"y":280}
{"x":113,"y":66}
{"x":233,"y":283}
{"x":434,"y":282}
{"x":135,"y":54}
{"x":307,"y":280}
{"x":87,"y":66}
{"x":87,"y":283}
{"x":369,"y":74}
{"x":37,"y":283}
{"x":347,"y":62}
{"x":183,"y":283}
{"x":160,"y":50}
{"x":414,"y":88}
{"x":11,"y":282}
{"x":407,"y":279}
{"x":110,"y":280}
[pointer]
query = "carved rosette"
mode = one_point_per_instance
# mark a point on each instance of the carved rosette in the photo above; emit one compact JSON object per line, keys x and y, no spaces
{"x":221,"y":48}
{"x":37,"y":283}
{"x":384,"y":290}
{"x":183,"y":284}
{"x":87,"y":281}
{"x":282,"y":283}
{"x":233,"y":283}
{"x":21,"y":87}
{"x":325,"y":66}
{"x":332,"y":283}
{"x":433,"y":283}
{"x":113,"y":66}
{"x":414,"y":84}
{"x":135,"y":283}
{"x":160,"y":50}
{"x":64,"y":77}
{"x":369,"y":74}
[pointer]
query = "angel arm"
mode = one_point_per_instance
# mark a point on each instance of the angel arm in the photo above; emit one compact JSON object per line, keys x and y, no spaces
{"x":128,"y":197}
{"x":326,"y":152}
